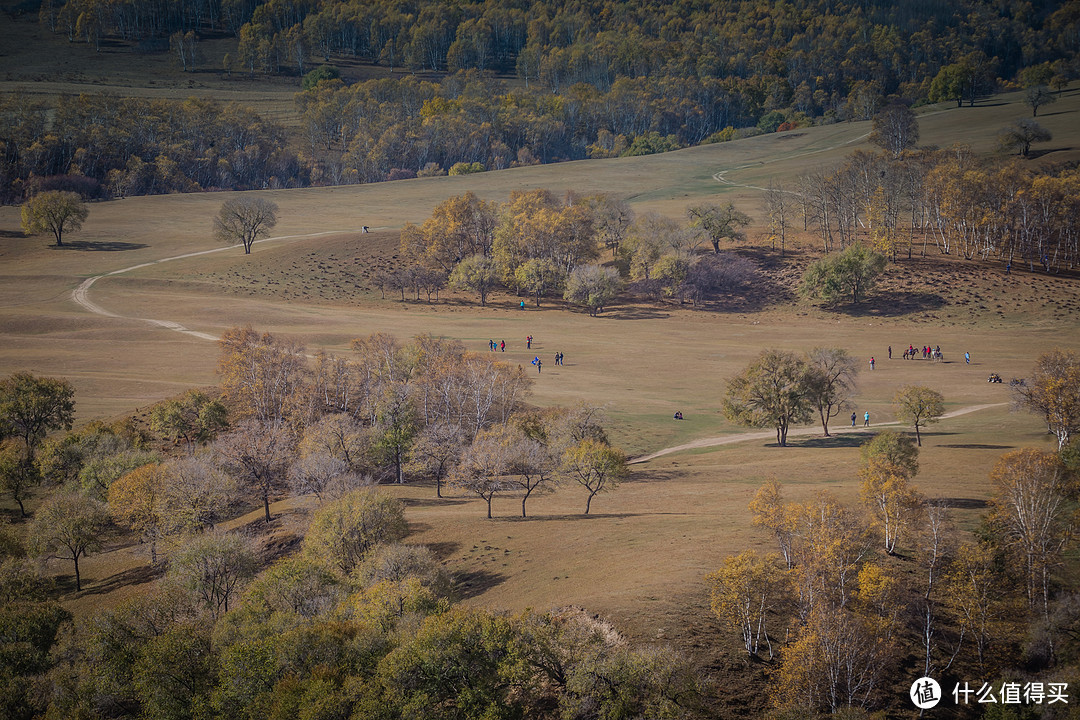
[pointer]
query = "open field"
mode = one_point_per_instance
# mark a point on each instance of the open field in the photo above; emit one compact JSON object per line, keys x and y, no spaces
{"x":640,"y":559}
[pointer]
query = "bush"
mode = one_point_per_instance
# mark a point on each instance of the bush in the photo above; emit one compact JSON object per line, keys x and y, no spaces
{"x":402,"y":174}
{"x":464,"y":168}
{"x":316,"y":76}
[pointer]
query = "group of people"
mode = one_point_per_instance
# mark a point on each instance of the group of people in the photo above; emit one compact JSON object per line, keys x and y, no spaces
{"x":500,"y":346}
{"x":928,"y":353}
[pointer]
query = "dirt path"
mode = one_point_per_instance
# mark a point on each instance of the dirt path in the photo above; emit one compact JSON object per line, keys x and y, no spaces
{"x":80,"y":295}
{"x":795,"y":432}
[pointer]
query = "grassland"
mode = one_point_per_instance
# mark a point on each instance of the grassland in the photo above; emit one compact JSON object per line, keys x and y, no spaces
{"x":641,"y":557}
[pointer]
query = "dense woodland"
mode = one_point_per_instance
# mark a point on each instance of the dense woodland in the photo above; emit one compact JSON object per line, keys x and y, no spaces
{"x":510,"y":83}
{"x":355,"y":623}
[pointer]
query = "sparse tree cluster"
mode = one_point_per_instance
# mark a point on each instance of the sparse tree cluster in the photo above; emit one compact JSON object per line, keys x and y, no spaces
{"x":780,"y":389}
{"x":837,"y":618}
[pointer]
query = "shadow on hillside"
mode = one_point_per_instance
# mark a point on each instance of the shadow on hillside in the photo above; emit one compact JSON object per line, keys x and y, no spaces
{"x":12,"y":234}
{"x":434,"y":501}
{"x":964,"y":503}
{"x":100,"y":246}
{"x":978,"y":446}
{"x":582,"y":516}
{"x":892,"y":303}
{"x":846,"y":440}
{"x":444,"y":549}
{"x":477,"y":582}
{"x":635,"y":312}
{"x":132,"y":576}
{"x":1036,"y":154}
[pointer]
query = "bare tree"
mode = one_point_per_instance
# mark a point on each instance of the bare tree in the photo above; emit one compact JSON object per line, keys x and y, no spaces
{"x":895,"y":129}
{"x":242,"y":221}
{"x":1021,"y":134}
{"x":778,"y":208}
{"x":831,"y":382}
{"x":256,"y":454}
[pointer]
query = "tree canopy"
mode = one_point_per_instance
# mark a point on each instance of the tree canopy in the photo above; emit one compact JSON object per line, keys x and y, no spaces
{"x":242,"y":221}
{"x":56,"y":212}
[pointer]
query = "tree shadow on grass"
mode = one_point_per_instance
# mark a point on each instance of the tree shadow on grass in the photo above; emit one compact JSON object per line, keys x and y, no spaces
{"x":963,"y":503}
{"x":132,"y":576}
{"x":444,"y":549}
{"x":892,"y":303}
{"x":12,"y":234}
{"x":978,"y":446}
{"x":476,"y":582}
{"x":434,"y":501}
{"x":846,"y":440}
{"x":99,"y":246}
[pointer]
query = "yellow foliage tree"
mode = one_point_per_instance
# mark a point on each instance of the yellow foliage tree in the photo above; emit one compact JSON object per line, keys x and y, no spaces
{"x":745,"y":592}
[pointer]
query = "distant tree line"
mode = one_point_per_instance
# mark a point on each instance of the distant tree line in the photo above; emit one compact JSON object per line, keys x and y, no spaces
{"x":599,"y":79}
{"x":100,"y":146}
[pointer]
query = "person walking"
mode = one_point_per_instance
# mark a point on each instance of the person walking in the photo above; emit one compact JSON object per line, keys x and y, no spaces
{"x":967,"y":358}
{"x":502,"y":346}
{"x":539,"y":364}
{"x":528,"y":343}
{"x":866,"y":419}
{"x":853,"y":416}
{"x":871,"y":363}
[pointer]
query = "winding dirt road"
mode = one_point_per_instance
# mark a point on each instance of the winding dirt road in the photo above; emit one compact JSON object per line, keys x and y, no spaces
{"x":80,"y":295}
{"x":795,"y":432}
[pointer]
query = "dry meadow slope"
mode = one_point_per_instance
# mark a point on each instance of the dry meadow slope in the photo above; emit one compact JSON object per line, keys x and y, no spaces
{"x":641,"y":558}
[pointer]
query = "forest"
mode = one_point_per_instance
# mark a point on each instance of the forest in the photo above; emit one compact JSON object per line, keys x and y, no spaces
{"x":490,"y":85}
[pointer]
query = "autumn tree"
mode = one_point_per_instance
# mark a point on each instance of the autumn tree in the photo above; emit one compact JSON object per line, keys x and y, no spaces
{"x":68,"y":526}
{"x":831,"y":382}
{"x":772,"y":513}
{"x":592,"y":286}
{"x":533,"y":463}
{"x":54,"y":211}
{"x":137,"y":501}
{"x":895,"y":129}
{"x":256,"y":454}
{"x":436,"y":451}
{"x":773,"y":391}
{"x":476,"y":273}
{"x":1036,"y":96}
{"x":779,"y":207}
{"x":918,"y":406}
{"x":1021,"y":134}
{"x":197,"y":494}
{"x":484,"y":465}
{"x":1034,"y":508}
{"x":745,"y":592}
{"x":17,"y":475}
{"x":243,"y":220}
{"x":892,"y":502}
{"x":344,"y":531}
{"x":596,"y":466}
{"x":1053,"y":391}
{"x":984,"y":609}
{"x":850,"y":273}
{"x":322,"y":475}
{"x":194,"y":417}
{"x":213,"y":568}
{"x":719,"y":222}
{"x":262,"y":377}
{"x":31,"y":407}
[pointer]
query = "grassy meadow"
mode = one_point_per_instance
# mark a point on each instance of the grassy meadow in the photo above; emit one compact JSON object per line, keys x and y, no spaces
{"x":641,"y":557}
